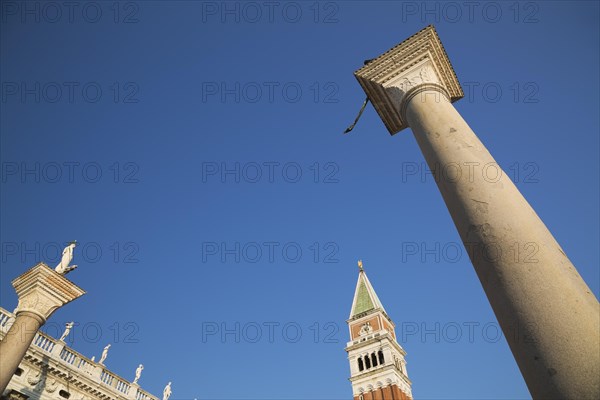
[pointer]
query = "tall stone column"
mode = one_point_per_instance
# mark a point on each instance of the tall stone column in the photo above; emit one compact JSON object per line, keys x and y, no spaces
{"x":41,"y":291}
{"x":549,"y":316}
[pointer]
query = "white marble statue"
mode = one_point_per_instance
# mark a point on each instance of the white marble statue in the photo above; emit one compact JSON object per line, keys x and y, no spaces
{"x":67,"y":256}
{"x":167,"y":391}
{"x":68,"y":327}
{"x":138,"y":373}
{"x":104,"y":354}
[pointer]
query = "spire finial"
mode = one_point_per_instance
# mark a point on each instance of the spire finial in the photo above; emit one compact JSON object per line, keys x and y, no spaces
{"x":360,"y":265}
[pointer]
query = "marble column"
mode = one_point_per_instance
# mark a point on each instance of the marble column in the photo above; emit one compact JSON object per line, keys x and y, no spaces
{"x":549,"y":316}
{"x":41,"y":291}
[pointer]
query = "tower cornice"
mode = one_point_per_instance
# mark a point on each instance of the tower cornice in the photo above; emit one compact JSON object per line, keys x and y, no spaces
{"x":359,"y":344}
{"x":357,"y":318}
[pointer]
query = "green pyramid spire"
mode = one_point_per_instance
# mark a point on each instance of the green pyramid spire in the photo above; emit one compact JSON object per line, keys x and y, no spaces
{"x":365,"y":298}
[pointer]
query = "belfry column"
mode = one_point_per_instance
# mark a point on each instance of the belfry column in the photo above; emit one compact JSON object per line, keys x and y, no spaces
{"x":549,"y":316}
{"x":41,"y":291}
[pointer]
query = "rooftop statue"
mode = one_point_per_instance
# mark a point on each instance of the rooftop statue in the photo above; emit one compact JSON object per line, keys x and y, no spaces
{"x":138,"y":373}
{"x":68,"y":327}
{"x":104,"y":354}
{"x":167,"y":391}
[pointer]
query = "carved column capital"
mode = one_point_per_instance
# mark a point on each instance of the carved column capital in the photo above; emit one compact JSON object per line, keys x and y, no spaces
{"x":417,"y":64}
{"x":41,"y":291}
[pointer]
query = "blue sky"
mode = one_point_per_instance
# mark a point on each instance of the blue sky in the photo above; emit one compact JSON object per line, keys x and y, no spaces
{"x":194,"y":150}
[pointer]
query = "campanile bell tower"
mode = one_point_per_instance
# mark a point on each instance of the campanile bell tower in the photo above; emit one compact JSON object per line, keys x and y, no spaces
{"x":377,"y":364}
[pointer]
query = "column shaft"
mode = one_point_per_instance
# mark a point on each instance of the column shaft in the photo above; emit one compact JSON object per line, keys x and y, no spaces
{"x":549,"y":316}
{"x":15,"y":344}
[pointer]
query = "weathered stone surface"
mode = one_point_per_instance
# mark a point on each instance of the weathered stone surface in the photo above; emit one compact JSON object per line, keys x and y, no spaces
{"x":549,"y":316}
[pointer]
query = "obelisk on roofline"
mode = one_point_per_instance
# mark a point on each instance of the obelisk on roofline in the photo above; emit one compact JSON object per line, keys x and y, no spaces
{"x":549,"y":316}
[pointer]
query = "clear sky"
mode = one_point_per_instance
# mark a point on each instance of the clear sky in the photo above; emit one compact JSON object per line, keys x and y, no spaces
{"x":194,"y":150}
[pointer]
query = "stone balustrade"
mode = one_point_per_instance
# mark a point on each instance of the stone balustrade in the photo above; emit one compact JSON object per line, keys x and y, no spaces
{"x":87,"y":375}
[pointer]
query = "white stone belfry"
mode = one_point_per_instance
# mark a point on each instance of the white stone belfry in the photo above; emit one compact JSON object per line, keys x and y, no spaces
{"x":549,"y":316}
